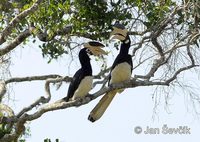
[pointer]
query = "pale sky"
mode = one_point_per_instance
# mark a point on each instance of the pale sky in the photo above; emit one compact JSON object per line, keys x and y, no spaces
{"x":134,"y":107}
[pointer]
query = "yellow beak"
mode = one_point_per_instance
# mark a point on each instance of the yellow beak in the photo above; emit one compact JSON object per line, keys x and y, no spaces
{"x":96,"y":50}
{"x":119,"y":34}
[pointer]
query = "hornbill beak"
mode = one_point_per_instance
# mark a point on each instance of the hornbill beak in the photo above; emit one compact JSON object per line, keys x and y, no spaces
{"x":119,"y":32}
{"x":95,"y":48}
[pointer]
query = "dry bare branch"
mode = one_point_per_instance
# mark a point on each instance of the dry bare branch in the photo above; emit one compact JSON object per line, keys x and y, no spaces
{"x":35,"y":78}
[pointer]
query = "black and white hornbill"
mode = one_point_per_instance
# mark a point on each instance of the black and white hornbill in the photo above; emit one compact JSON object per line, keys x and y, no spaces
{"x":81,"y":82}
{"x":120,"y":71}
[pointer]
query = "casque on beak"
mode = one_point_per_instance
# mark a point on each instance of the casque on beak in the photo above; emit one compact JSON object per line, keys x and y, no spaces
{"x":95,"y":48}
{"x":119,"y":32}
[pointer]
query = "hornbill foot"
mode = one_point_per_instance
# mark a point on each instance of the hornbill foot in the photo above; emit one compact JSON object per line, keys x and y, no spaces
{"x":89,"y":97}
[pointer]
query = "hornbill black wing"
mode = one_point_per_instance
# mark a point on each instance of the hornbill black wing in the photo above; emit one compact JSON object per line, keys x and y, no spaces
{"x":78,"y":76}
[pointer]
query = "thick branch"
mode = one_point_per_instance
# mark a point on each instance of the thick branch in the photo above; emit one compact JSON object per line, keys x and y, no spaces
{"x":62,"y":105}
{"x":79,"y":102}
{"x":36,"y":78}
{"x":130,"y":84}
{"x":157,"y":45}
{"x":19,"y":129}
{"x":23,"y":117}
{"x":42,"y":99}
{"x":7,"y":31}
{"x":50,"y":79}
{"x":18,"y":40}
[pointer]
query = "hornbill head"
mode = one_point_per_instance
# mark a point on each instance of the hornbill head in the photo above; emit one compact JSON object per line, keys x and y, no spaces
{"x":119,"y":32}
{"x":94,"y":48}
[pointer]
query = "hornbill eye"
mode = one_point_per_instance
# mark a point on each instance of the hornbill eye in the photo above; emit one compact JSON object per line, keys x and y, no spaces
{"x":94,"y":48}
{"x":88,"y":51}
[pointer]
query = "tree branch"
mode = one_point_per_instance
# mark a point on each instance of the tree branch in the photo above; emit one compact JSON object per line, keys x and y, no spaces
{"x":49,"y":79}
{"x":2,"y":89}
{"x":179,"y":71}
{"x":62,"y":105}
{"x":7,"y":31}
{"x":139,"y":45}
{"x":42,"y":99}
{"x":22,"y":117}
{"x":18,"y":40}
{"x":159,"y":28}
{"x":36,"y":78}
{"x":19,"y":129}
{"x":190,"y":55}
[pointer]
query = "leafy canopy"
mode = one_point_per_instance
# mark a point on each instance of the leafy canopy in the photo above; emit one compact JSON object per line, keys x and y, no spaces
{"x":84,"y":18}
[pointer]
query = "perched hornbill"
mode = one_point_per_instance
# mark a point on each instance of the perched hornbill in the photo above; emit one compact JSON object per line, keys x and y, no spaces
{"x":121,"y":71}
{"x":81,"y":82}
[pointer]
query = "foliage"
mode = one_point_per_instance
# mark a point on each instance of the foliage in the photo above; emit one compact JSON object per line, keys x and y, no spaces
{"x":3,"y":130}
{"x":91,"y":19}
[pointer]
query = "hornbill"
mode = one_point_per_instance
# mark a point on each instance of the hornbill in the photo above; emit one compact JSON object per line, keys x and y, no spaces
{"x":81,"y":82}
{"x":120,"y":71}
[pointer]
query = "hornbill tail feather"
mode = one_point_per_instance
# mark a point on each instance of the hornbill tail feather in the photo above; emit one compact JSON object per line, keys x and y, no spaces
{"x":101,"y":107}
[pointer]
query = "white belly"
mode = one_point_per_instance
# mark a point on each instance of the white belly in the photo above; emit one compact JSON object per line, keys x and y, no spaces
{"x":121,"y":72}
{"x":84,"y":87}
